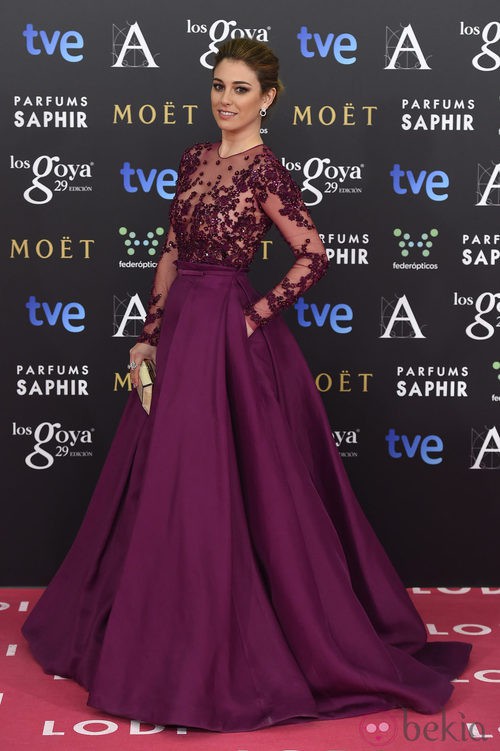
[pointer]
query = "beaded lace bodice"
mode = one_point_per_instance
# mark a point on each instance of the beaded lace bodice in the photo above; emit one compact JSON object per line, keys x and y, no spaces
{"x":223,"y":207}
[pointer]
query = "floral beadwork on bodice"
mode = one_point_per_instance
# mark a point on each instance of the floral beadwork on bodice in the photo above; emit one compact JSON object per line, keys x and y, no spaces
{"x":211,"y":216}
{"x":222,"y":209}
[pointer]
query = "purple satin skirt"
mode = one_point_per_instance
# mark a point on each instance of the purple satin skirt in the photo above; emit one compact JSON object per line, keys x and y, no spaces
{"x":225,"y":576}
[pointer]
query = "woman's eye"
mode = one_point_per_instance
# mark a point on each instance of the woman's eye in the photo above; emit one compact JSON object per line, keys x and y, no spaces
{"x":238,"y":89}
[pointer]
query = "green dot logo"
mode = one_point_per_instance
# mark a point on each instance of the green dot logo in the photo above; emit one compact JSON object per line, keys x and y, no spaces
{"x":423,"y":244}
{"x":149,"y":245}
{"x":496,"y":366}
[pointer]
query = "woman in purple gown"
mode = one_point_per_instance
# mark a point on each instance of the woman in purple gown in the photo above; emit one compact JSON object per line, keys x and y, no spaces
{"x":225,"y":576}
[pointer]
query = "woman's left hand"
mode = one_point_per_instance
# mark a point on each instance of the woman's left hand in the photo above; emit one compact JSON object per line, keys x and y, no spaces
{"x":251,"y":326}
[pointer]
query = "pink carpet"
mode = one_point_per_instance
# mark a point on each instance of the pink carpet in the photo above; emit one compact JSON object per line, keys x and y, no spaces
{"x":39,"y":711}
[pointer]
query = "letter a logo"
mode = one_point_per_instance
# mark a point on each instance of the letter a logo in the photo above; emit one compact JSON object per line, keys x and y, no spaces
{"x":134,"y":311}
{"x":130,"y":49}
{"x":407,"y":326}
{"x":493,"y":183}
{"x":413,"y":56}
{"x":490,"y":446}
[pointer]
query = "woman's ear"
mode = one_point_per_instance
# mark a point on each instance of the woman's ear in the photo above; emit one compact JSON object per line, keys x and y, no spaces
{"x":269,"y":97}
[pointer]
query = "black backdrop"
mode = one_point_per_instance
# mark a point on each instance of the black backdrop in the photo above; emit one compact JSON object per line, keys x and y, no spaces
{"x":390,"y":123}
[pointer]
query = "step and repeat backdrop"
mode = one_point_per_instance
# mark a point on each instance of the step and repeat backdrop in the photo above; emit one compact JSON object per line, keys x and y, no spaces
{"x":390,"y":124}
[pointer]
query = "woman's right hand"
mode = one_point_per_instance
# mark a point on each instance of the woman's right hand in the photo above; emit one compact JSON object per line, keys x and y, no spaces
{"x":138,"y":353}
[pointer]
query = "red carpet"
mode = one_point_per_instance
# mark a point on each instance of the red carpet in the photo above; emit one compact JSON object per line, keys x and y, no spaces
{"x":39,"y":711}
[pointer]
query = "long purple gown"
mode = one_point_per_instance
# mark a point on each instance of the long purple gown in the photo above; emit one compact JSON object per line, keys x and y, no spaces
{"x":225,"y":576}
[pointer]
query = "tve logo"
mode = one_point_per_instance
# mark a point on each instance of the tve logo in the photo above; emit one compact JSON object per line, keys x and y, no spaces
{"x":57,"y":41}
{"x":339,"y":45}
{"x":135,"y":179}
{"x":436,"y":180}
{"x":40,"y":313}
{"x":402,"y":445}
{"x":334,"y":316}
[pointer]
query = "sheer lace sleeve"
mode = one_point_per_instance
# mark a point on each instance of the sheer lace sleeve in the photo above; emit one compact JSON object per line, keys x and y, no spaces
{"x":165,"y":273}
{"x":280,"y":198}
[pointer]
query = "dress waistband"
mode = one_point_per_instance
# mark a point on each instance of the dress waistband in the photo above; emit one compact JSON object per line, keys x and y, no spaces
{"x":200,"y":267}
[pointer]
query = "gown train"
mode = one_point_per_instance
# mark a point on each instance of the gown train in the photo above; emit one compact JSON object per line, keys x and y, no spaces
{"x":225,"y":576}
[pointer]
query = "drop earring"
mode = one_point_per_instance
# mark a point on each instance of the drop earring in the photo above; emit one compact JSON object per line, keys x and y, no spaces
{"x":262,"y":112}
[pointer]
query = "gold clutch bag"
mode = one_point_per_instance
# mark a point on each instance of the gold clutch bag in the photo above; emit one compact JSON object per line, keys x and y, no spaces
{"x":147,"y":373}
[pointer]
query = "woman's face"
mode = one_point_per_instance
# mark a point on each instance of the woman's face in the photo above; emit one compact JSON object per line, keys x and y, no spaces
{"x":237,"y":96}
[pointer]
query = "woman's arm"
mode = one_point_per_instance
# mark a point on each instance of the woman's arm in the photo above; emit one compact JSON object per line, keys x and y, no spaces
{"x":166,"y":271}
{"x":280,"y":198}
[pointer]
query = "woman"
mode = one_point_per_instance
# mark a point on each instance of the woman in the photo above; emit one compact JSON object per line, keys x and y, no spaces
{"x":225,"y":576}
